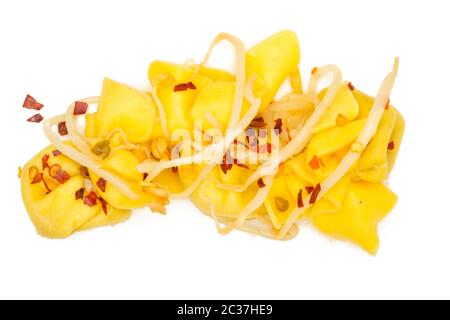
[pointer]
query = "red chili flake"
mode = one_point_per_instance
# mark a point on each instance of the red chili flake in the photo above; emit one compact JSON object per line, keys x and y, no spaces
{"x":36,"y":118}
{"x":180,"y":87}
{"x":184,"y":87}
{"x":35,"y":175}
{"x":175,"y":169}
{"x":261,"y":183}
{"x":80,"y":108}
{"x":258,"y":123}
{"x":61,"y":176}
{"x":104,"y":205}
{"x":45,"y":161}
{"x":31,"y":103}
{"x":56,"y":152}
{"x":314,"y":164}
{"x":314,"y":70}
{"x":269,"y":147}
{"x":144,"y":176}
{"x":37,"y":178}
{"x":315,"y":194}
{"x":79,"y":194}
{"x":309,"y":189}
{"x":386,"y":107}
{"x":227,"y":162}
{"x":278,"y":126}
{"x":29,"y":100}
{"x":191,"y":85}
{"x":225,"y":167}
{"x":351,"y":86}
{"x":300,"y":203}
{"x":91,"y":199}
{"x":391,"y":145}
{"x":101,"y":184}
{"x":62,"y":129}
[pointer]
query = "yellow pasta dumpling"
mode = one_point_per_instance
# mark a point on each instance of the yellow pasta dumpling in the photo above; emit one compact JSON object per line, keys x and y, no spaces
{"x":378,"y":158}
{"x":359,"y":216}
{"x":125,"y":108}
{"x":273,"y":59}
{"x":51,"y":185}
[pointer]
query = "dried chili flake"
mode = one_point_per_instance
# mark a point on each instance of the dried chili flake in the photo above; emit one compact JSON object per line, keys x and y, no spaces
{"x":62,"y":128}
{"x":79,"y":194}
{"x":80,"y":108}
{"x":34,"y":174}
{"x":44,"y":159}
{"x":91,"y":199}
{"x":258,"y":123}
{"x":31,"y":103}
{"x":175,"y":169}
{"x":191,"y":85}
{"x":28,"y":103}
{"x":386,"y":107}
{"x":300,"y":203}
{"x":184,"y":86}
{"x":101,"y":184}
{"x":315,"y":194}
{"x":391,"y":145}
{"x":180,"y":87}
{"x":104,"y":205}
{"x":309,"y":189}
{"x":351,"y":86}
{"x":37,"y":178}
{"x":278,"y":126}
{"x":261,"y":183}
{"x":36,"y":118}
{"x":314,"y":164}
{"x":144,"y":176}
{"x":225,"y":167}
{"x":227,"y":162}
{"x":61,"y":176}
{"x":269,"y":147}
{"x":56,"y":152}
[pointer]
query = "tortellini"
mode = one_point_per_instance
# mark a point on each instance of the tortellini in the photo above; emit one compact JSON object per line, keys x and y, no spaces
{"x":144,"y":141}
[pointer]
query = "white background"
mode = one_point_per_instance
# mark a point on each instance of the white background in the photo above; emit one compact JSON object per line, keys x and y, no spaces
{"x":59,"y":51}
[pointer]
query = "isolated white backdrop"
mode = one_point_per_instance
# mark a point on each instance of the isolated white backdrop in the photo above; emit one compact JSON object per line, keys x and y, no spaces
{"x":59,"y":51}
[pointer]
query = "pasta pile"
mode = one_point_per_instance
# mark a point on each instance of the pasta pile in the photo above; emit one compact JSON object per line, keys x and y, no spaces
{"x":246,"y":157}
